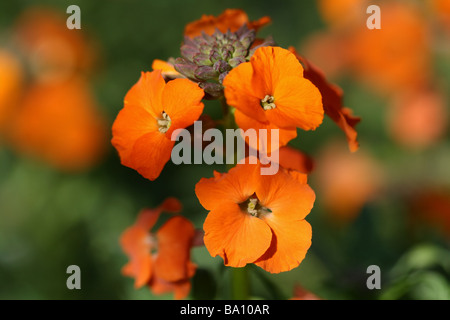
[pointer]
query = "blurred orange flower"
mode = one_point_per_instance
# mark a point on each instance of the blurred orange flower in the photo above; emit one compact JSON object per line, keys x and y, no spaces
{"x":256,"y":218}
{"x":152,"y":111}
{"x":162,"y":259}
{"x":54,"y":52}
{"x":278,"y":95}
{"x":332,"y":97}
{"x":418,"y":119}
{"x":11,"y":85}
{"x":328,"y":50}
{"x":302,"y":294}
{"x":397,"y":56}
{"x":442,"y":10}
{"x":60,"y":123}
{"x":433,"y":207}
{"x":342,"y":13}
{"x":346,"y":181}
{"x":230,"y":19}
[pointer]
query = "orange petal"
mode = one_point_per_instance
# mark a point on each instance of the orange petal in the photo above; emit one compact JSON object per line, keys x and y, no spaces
{"x":294,"y":159}
{"x":182,"y":102}
{"x":237,"y":237}
{"x":230,"y":19}
{"x":180,"y":288}
{"x":246,"y":123}
{"x":135,"y":244}
{"x":298,"y":104}
{"x":165,"y":67}
{"x":174,"y":244}
{"x":147,"y":218}
{"x":234,"y":187}
{"x":291,"y":241}
{"x":272,"y":64}
{"x":245,"y":98}
{"x":150,"y":154}
{"x":143,"y":106}
{"x":171,"y":204}
{"x":285,"y":195}
{"x":131,"y":124}
{"x":147,"y":93}
{"x":332,"y":102}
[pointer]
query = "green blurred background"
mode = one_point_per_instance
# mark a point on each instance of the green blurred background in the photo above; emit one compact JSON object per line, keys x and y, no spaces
{"x":51,"y":219}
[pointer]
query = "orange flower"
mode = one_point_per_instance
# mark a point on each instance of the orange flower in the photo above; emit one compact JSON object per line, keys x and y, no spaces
{"x":346,"y":181}
{"x":271,"y":89}
{"x":418,"y":119}
{"x":55,"y":53}
{"x":60,"y":123}
{"x":153,"y":110}
{"x":332,"y":101}
{"x":432,"y":206}
{"x":162,"y":259}
{"x":11,"y":82}
{"x":230,"y":19}
{"x":397,"y":56}
{"x":442,"y":10}
{"x":342,"y":13}
{"x":256,"y":218}
{"x":327,"y":49}
{"x":302,"y":294}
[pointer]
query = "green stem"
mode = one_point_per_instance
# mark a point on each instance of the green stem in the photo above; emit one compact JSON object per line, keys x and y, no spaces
{"x":240,"y":284}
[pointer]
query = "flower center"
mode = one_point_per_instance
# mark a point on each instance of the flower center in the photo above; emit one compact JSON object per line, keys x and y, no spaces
{"x":268,"y":103}
{"x":164,"y":122}
{"x":151,"y":240}
{"x":254,"y":208}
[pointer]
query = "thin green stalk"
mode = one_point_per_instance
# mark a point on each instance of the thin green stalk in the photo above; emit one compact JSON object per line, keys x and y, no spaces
{"x":240,"y":284}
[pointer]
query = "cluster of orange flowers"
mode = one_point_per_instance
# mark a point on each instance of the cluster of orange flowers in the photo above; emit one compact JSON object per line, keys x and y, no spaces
{"x":252,"y":218}
{"x":47,"y":110}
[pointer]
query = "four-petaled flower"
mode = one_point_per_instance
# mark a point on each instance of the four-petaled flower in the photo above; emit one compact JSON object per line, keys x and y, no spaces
{"x":162,"y":259}
{"x":153,"y":110}
{"x":270,"y":91}
{"x":256,"y":218}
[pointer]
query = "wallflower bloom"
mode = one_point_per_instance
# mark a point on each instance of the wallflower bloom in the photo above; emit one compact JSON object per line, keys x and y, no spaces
{"x":417,"y":119}
{"x":342,"y":13}
{"x":346,"y":181}
{"x":397,"y":56}
{"x":161,"y":259}
{"x":256,"y":218}
{"x":271,"y":89}
{"x":55,"y":53}
{"x":230,"y":19}
{"x":152,"y":111}
{"x":302,"y":294}
{"x":332,"y":101}
{"x":432,"y":207}
{"x":60,"y":123}
{"x":11,"y":83}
